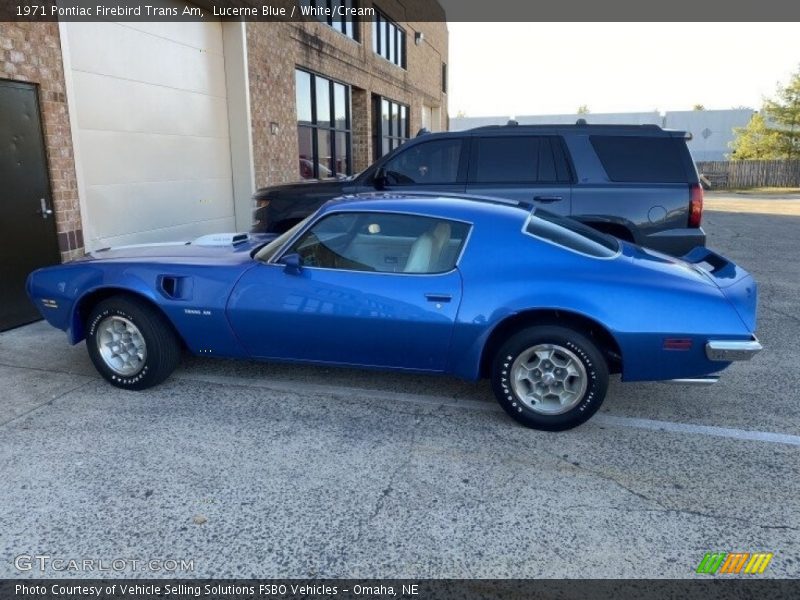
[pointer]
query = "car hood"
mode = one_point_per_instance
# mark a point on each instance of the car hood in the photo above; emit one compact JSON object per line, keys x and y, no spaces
{"x":214,"y":248}
{"x":322,"y":189}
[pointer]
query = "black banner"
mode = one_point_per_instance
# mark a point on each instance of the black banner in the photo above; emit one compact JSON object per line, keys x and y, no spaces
{"x":405,"y":10}
{"x":372,"y":589}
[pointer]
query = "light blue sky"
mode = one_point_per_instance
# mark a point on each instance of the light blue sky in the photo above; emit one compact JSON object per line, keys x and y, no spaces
{"x":514,"y":69}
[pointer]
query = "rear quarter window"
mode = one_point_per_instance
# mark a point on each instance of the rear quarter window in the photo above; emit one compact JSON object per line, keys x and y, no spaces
{"x":571,"y":234}
{"x":641,"y":159}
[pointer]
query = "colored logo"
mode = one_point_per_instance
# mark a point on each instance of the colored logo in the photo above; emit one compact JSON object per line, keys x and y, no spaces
{"x":724,"y":563}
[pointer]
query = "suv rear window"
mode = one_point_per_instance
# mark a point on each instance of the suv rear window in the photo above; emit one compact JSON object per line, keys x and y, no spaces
{"x":641,"y":159}
{"x":571,"y":234}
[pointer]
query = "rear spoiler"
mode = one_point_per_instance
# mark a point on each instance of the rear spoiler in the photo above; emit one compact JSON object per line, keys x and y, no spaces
{"x":715,"y":265}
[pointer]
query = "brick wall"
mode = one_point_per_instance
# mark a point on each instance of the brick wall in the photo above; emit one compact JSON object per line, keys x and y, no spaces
{"x":275,"y":50}
{"x":31,"y":52}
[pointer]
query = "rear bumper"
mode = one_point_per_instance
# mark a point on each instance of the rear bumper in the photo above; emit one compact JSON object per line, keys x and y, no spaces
{"x":675,"y":242}
{"x":730,"y":350}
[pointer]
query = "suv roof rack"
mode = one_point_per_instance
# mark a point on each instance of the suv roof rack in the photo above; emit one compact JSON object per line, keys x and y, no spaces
{"x":525,"y":204}
{"x":581,"y":123}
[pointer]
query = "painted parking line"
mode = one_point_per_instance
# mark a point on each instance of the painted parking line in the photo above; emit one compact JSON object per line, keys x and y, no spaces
{"x":726,"y":432}
{"x":599,"y":419}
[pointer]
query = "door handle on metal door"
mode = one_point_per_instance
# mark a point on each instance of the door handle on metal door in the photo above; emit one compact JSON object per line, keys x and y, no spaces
{"x":44,"y":211}
{"x":547,"y":199}
{"x":438,"y":297}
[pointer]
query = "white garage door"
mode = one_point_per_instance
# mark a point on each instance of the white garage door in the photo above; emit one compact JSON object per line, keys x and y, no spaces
{"x":151,"y":122}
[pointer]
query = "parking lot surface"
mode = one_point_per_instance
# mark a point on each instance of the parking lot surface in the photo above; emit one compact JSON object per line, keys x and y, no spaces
{"x":251,"y":469}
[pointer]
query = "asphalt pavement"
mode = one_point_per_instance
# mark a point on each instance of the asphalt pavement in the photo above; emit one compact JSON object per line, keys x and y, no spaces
{"x":240,"y":469}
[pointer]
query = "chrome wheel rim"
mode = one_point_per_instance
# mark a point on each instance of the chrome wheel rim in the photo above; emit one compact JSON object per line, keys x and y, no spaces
{"x":549,"y":379}
{"x":121,"y":345}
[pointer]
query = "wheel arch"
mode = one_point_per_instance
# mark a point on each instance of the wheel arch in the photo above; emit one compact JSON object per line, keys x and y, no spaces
{"x":84,"y":304}
{"x":606,"y":342}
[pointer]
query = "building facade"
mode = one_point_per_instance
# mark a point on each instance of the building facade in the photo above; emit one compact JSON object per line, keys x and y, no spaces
{"x":139,"y":132}
{"x":159,"y":131}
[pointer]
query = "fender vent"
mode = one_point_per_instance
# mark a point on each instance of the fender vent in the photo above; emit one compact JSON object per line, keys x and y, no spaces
{"x":175,"y":287}
{"x":169,"y":285}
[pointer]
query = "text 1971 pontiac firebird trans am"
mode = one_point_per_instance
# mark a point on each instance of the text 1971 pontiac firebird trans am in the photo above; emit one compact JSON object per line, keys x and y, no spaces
{"x":541,"y":304}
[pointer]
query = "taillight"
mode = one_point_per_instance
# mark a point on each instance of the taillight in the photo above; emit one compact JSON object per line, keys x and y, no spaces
{"x":695,"y":205}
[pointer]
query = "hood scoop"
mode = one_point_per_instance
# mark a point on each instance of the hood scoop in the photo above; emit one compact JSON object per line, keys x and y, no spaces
{"x":222,"y":239}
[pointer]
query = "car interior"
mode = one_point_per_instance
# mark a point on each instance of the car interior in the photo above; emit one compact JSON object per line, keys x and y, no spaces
{"x":383,"y":243}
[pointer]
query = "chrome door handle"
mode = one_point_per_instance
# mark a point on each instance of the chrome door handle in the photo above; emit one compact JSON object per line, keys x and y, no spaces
{"x":547,"y":199}
{"x":44,"y":211}
{"x":438,"y":297}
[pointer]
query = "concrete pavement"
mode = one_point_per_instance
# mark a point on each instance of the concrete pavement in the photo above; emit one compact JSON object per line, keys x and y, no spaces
{"x":251,"y":469}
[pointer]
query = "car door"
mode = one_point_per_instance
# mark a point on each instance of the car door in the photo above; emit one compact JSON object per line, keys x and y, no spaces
{"x":357,"y":288}
{"x":527,"y":168}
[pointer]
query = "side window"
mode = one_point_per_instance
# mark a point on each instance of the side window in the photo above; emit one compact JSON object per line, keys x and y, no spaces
{"x":518,"y":159}
{"x":571,"y":234}
{"x":382,"y":242}
{"x":641,"y":159}
{"x":427,"y":163}
{"x":323,"y":244}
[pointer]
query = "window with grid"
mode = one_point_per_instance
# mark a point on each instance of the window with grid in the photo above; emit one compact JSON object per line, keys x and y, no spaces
{"x":390,"y":125}
{"x":388,"y":39}
{"x":323,"y":126}
{"x":346,"y":25}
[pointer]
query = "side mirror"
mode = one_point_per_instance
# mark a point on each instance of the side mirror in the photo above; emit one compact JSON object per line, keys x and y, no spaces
{"x":381,"y":179}
{"x":292,"y":264}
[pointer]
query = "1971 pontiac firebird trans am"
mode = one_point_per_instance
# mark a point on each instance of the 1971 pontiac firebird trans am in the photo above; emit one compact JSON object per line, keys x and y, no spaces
{"x":545,"y":307}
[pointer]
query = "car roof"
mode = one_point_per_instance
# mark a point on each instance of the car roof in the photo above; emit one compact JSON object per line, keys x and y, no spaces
{"x":648,"y":130}
{"x":445,"y":205}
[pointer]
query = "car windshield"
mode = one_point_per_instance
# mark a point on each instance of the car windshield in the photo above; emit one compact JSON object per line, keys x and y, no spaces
{"x":268,"y":251}
{"x":571,"y":234}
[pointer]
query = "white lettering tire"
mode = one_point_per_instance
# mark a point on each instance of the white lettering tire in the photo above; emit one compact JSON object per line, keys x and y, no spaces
{"x":549,"y":377}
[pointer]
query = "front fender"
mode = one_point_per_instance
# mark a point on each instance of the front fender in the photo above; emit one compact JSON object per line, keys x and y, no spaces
{"x":59,"y":291}
{"x":64,"y":294}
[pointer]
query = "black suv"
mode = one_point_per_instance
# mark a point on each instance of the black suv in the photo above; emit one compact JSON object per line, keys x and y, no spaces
{"x":636,"y":182}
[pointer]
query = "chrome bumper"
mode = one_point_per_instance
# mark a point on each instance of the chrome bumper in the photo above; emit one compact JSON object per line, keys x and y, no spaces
{"x":730,"y":350}
{"x":694,"y":381}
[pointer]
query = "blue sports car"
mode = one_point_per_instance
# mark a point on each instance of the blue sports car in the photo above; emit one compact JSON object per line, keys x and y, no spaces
{"x":542,"y":305}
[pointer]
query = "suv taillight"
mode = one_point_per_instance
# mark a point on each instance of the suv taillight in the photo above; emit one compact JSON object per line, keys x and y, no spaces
{"x":695,"y":205}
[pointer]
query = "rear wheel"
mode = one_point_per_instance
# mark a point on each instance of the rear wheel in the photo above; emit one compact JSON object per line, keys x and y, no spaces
{"x":131,"y":344}
{"x":550,"y":378}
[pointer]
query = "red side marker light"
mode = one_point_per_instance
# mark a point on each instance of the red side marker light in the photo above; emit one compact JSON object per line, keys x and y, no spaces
{"x":677,"y":344}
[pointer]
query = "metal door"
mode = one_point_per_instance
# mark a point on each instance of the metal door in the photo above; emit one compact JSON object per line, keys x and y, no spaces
{"x":27,"y":226}
{"x":394,"y":320}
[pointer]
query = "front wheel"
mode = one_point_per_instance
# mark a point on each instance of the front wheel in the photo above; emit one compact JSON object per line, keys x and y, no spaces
{"x":550,"y":378}
{"x":131,"y":344}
